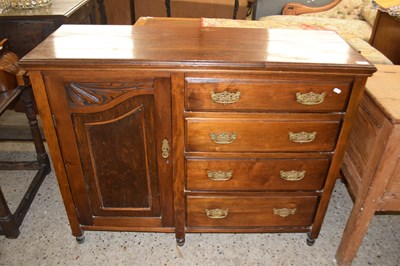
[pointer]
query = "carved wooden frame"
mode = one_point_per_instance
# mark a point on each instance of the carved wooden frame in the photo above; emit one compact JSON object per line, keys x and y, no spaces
{"x":295,"y":8}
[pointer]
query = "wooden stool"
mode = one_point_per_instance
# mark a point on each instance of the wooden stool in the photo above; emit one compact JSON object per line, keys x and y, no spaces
{"x":10,"y":92}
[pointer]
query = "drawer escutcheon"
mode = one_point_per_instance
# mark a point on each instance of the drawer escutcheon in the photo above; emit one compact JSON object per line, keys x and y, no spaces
{"x":165,"y":148}
{"x":219,"y":175}
{"x":310,"y":98}
{"x":302,"y":137}
{"x":223,"y":138}
{"x":293,"y":175}
{"x":225,"y":97}
{"x":284,"y":212}
{"x":217,"y":213}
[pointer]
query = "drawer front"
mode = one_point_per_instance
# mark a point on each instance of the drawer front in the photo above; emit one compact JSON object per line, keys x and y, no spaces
{"x":247,"y":211}
{"x":260,"y":136}
{"x":241,"y":95}
{"x":256,"y":174}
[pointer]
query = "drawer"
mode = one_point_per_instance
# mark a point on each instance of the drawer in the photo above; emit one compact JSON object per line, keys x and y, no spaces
{"x":214,"y":94}
{"x":256,"y":174}
{"x":212,"y":135}
{"x":248,"y":211}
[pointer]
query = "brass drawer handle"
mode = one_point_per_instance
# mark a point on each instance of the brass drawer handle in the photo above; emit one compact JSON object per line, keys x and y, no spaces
{"x":293,"y":175}
{"x":284,"y":212}
{"x":219,"y":175}
{"x":225,"y":97}
{"x":310,"y":98}
{"x":217,"y":213}
{"x":223,"y":138}
{"x":302,"y":137}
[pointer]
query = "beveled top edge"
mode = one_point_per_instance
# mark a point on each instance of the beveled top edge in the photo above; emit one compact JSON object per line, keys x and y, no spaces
{"x":180,"y":46}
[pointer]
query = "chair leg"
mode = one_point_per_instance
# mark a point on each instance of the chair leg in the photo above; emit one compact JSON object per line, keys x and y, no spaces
{"x":42,"y":158}
{"x":27,"y":99}
{"x":8,"y":225}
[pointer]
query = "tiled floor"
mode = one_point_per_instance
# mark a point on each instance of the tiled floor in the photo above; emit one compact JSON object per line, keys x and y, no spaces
{"x":46,"y":238}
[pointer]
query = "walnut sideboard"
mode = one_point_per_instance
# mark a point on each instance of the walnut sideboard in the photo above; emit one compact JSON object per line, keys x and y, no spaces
{"x":168,"y":126}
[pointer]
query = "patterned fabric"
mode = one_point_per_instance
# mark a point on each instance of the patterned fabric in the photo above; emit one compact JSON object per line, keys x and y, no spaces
{"x":369,"y":52}
{"x":350,"y":9}
{"x":369,"y":12}
{"x":346,"y":9}
{"x":310,"y":23}
{"x":344,"y":27}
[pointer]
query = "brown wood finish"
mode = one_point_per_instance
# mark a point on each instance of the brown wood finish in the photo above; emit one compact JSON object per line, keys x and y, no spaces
{"x":269,"y":94}
{"x":231,"y":9}
{"x":244,"y":211}
{"x":251,"y":155}
{"x":371,"y":163}
{"x":26,"y":28}
{"x":11,"y":221}
{"x":133,"y":117}
{"x":337,"y":159}
{"x":9,"y":68}
{"x":275,"y":46}
{"x":119,"y":12}
{"x":298,"y":8}
{"x":178,"y":90}
{"x":255,"y":174}
{"x":260,"y":136}
{"x":49,"y":129}
{"x":9,"y":94}
{"x":386,"y":36}
{"x":84,"y":78}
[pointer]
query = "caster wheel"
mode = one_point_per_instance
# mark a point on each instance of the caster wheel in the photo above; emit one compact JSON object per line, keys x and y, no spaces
{"x":180,"y":241}
{"x":80,"y":239}
{"x":310,"y":241}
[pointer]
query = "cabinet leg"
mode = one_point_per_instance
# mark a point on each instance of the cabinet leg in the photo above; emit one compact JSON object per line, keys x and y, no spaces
{"x":180,"y":241}
{"x":80,"y":239}
{"x":310,"y":241}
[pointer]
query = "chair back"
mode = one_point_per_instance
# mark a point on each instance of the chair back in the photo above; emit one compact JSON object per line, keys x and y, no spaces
{"x":9,"y":67}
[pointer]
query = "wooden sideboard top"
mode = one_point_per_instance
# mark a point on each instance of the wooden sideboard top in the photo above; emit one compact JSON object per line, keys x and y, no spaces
{"x":56,"y":8}
{"x":171,"y":43}
{"x":384,"y":89}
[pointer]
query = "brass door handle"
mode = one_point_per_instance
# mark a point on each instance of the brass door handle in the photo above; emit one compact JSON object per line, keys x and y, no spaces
{"x":165,"y":148}
{"x":284,"y":212}
{"x":302,"y":137}
{"x":225,"y":97}
{"x":219,"y":175}
{"x":293,"y":175}
{"x":310,"y":98}
{"x":217,"y":213}
{"x":223,"y":138}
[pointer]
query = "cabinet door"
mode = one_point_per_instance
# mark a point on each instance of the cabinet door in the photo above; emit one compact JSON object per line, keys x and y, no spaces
{"x":112,"y":132}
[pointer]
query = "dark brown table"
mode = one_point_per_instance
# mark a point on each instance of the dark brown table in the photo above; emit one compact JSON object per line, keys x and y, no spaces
{"x":168,"y":8}
{"x":14,"y":86}
{"x":26,"y":28}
